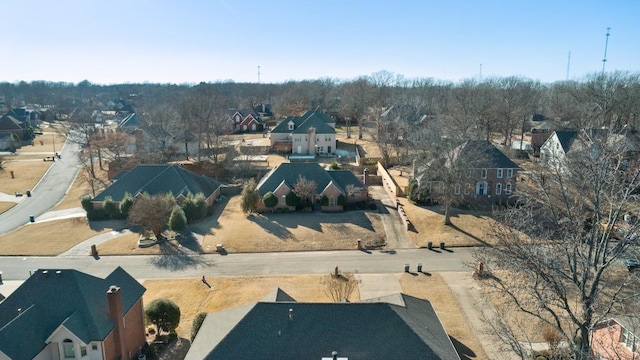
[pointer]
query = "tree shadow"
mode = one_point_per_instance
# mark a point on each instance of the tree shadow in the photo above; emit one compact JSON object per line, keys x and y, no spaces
{"x":101,"y":225}
{"x":175,"y":257}
{"x":272,"y":227}
{"x":204,"y":226}
{"x":470,"y":235}
{"x":175,"y":350}
{"x":188,"y":240}
{"x":463,"y":350}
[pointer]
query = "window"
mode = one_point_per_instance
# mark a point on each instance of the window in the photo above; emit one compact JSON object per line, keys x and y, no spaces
{"x":457,"y":189}
{"x":467,"y":188}
{"x":291,"y":126}
{"x":499,"y":173}
{"x":332,"y":201}
{"x":507,"y":189}
{"x":319,"y":149}
{"x":327,"y":138}
{"x":498,"y":189}
{"x":484,"y":173}
{"x":83,"y":351}
{"x":629,"y":340}
{"x":297,"y":139}
{"x":94,"y":346}
{"x":509,"y":173}
{"x":467,"y":173}
{"x":68,"y":349}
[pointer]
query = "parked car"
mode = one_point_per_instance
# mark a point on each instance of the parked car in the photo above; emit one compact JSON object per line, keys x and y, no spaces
{"x":632,"y":264}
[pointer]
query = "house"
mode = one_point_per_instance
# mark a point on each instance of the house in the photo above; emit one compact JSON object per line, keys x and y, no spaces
{"x":310,"y":134}
{"x":616,"y":338}
{"x":67,"y":314}
{"x":245,"y":120}
{"x":26,"y":116}
{"x":485,"y":172}
{"x":159,"y":179}
{"x":331,"y":186}
{"x":10,"y":125}
{"x":561,"y":144}
{"x":398,"y":326}
{"x":8,"y":142}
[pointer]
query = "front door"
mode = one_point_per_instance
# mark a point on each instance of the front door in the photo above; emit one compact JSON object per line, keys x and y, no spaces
{"x":299,"y":149}
{"x":328,"y":149}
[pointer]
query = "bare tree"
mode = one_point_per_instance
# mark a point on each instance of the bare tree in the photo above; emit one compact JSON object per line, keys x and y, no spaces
{"x":340,"y":287}
{"x":152,"y":212}
{"x":356,"y":97}
{"x":305,"y":189}
{"x":553,"y":258}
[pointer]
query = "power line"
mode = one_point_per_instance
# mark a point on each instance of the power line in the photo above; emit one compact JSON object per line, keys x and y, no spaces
{"x":606,"y":44}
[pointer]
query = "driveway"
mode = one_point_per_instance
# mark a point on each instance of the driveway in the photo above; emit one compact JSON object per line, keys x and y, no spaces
{"x":397,"y":237}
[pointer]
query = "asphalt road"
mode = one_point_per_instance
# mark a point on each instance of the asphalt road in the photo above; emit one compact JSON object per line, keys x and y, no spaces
{"x":47,"y":193}
{"x":284,"y":263}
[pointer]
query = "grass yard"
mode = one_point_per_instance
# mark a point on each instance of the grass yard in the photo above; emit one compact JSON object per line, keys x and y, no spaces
{"x":4,"y":206}
{"x":288,"y":232}
{"x":48,"y":238}
{"x":469,"y":228}
{"x":48,"y":142}
{"x":193,"y":297}
{"x":26,"y":175}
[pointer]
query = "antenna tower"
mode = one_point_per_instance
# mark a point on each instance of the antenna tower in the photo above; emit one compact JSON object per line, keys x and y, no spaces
{"x":606,"y":44}
{"x":258,"y":74}
{"x":568,"y":64}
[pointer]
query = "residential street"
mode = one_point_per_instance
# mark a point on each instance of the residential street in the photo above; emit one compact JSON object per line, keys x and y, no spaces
{"x":47,"y":193}
{"x":285,"y":263}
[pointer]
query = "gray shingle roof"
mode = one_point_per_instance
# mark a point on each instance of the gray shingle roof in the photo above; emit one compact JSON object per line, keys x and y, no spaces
{"x":72,"y":298}
{"x":566,"y":139}
{"x":371,"y":330}
{"x":487,"y":154}
{"x":289,"y":172}
{"x":317,"y":119}
{"x":159,"y":179}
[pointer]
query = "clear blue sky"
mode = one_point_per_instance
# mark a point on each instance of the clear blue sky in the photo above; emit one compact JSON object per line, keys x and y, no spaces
{"x":188,"y":41}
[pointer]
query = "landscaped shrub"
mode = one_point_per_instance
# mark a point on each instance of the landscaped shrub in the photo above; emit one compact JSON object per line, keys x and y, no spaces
{"x":86,"y":203}
{"x":189,"y":208}
{"x":197,"y":323}
{"x":125,"y":205}
{"x":335,"y":165}
{"x":177,"y":220}
{"x":201,"y":205}
{"x":270,"y":200}
{"x":292,"y":199}
{"x":324,"y":200}
{"x":96,"y":215}
{"x":341,"y":200}
{"x":110,"y":208}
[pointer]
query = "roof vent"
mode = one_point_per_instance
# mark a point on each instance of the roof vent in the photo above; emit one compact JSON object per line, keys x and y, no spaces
{"x":59,"y":273}
{"x":45,"y":273}
{"x":290,"y":314}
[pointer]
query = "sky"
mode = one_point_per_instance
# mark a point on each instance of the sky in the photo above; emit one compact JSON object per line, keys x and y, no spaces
{"x":274,"y":41}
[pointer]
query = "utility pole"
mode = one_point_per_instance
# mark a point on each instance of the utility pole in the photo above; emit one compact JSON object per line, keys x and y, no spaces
{"x":606,"y":44}
{"x":568,"y":65}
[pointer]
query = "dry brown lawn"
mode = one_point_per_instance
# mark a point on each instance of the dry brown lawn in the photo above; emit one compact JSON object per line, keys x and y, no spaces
{"x":193,"y":297}
{"x":470,"y":228}
{"x":128,"y":245}
{"x":4,"y":206}
{"x":48,"y":142}
{"x":48,"y":238}
{"x":289,"y":232}
{"x":26,"y":175}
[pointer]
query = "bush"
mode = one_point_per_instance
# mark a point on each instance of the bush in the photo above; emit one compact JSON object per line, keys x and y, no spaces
{"x":292,"y":199}
{"x":110,"y":208}
{"x":341,"y":200}
{"x":163,"y":313}
{"x":270,"y":200}
{"x":197,"y":323}
{"x":86,"y":203}
{"x":96,"y":215}
{"x":324,"y":201}
{"x":177,"y":220}
{"x":125,"y":205}
{"x":335,"y":165}
{"x":173,"y":335}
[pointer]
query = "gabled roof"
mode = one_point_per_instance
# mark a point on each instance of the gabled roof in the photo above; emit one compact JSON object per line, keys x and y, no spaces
{"x":131,"y":120}
{"x":289,"y":173}
{"x":19,"y":114}
{"x":566,"y":138}
{"x":51,"y":298}
{"x":489,"y":156}
{"x":317,"y":119}
{"x":8,"y":123}
{"x":159,"y":179}
{"x":407,"y":329}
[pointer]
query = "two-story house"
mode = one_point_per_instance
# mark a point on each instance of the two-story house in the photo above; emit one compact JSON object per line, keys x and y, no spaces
{"x":67,"y":314}
{"x":481,"y":171}
{"x":310,"y":134}
{"x":245,"y":120}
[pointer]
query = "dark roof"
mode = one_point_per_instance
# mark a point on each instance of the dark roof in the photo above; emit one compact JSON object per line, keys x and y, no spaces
{"x":317,"y":119}
{"x":131,"y":120}
{"x":487,"y":155}
{"x":289,"y":173}
{"x":50,"y":298}
{"x":291,"y":330}
{"x":159,"y":179}
{"x":566,"y":138}
{"x":8,"y":122}
{"x":19,"y":114}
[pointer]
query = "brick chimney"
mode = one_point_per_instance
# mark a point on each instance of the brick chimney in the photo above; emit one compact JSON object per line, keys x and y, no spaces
{"x":114,"y":301}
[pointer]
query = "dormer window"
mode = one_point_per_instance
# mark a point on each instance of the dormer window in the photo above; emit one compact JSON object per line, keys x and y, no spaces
{"x":291,"y":125}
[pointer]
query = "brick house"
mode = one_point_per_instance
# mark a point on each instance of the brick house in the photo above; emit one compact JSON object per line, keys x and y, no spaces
{"x":330,"y":184}
{"x":78,"y":316}
{"x":490,"y":175}
{"x":616,"y":338}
